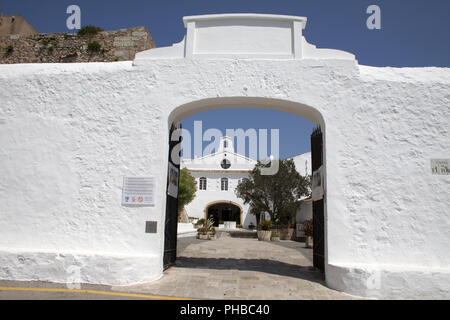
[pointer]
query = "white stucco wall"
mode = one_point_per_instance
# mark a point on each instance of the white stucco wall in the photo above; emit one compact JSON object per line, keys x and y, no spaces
{"x":303,"y":163}
{"x":70,"y":132}
{"x":186,"y":230}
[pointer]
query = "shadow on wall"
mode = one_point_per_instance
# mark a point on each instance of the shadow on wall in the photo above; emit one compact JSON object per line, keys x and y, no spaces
{"x":249,"y":218}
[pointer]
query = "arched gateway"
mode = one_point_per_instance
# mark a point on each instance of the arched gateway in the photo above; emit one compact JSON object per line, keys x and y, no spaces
{"x":74,"y":138}
{"x":222,"y":211}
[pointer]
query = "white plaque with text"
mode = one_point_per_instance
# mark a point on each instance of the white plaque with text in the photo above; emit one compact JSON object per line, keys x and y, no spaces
{"x":139,"y":191}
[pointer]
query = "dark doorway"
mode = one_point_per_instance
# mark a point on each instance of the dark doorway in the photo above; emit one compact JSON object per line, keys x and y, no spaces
{"x":318,"y":208}
{"x":224,"y":211}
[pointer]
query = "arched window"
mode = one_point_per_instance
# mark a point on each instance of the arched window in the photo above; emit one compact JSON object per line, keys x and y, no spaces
{"x":224,"y":184}
{"x":202,"y":184}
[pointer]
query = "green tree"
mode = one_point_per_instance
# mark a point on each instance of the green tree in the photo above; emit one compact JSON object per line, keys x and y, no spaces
{"x":275,"y":194}
{"x":186,"y":189}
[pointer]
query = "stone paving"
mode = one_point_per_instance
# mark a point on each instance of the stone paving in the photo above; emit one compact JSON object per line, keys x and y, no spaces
{"x":240,"y":268}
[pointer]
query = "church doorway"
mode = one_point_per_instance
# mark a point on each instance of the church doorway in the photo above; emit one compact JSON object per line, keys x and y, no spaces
{"x":224,"y":213}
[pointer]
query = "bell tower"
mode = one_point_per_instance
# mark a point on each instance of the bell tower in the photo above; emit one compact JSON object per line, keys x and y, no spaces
{"x":226,"y":144}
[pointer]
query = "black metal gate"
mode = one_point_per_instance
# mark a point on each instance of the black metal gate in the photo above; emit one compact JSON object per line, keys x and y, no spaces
{"x":318,"y":209}
{"x":170,"y":228}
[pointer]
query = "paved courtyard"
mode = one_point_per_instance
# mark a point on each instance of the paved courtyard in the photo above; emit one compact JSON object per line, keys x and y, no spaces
{"x":240,"y":268}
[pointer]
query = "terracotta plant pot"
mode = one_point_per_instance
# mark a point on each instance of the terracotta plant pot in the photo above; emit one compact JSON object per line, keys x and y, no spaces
{"x":287,"y":234}
{"x":206,"y":236}
{"x":264,"y":235}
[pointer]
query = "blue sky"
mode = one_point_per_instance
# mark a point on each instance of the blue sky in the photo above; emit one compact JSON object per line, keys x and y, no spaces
{"x":414,"y":33}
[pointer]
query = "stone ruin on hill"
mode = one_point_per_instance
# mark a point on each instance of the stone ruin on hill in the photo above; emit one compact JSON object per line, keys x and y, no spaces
{"x":102,"y":46}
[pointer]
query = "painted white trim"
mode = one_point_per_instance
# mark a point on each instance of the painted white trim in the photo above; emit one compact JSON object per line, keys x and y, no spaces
{"x":246,"y":16}
{"x":244,"y":36}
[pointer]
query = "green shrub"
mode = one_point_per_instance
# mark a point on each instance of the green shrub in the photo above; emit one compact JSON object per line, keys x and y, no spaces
{"x":200,"y":222}
{"x":206,"y":228}
{"x":265,"y":225}
{"x":251,"y":226}
{"x":94,"y":46}
{"x":89,"y":30}
{"x":275,"y":235}
{"x":44,"y":42}
{"x":9,"y":49}
{"x":50,"y":48}
{"x":208,"y":224}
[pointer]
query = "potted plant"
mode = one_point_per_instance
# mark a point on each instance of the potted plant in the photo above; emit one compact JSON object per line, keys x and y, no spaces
{"x":199,"y":223}
{"x":213,"y":233}
{"x":286,"y":230}
{"x":264,"y":231}
{"x":308,"y":229}
{"x":206,"y":231}
{"x":275,"y":237}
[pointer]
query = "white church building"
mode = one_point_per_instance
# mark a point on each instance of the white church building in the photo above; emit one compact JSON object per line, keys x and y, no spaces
{"x":217,"y":176}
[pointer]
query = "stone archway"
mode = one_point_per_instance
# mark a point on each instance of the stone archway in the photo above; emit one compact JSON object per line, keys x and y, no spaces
{"x":223,"y":208}
{"x":301,"y":109}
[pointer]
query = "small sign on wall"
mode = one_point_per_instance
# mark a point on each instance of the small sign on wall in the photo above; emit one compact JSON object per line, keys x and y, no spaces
{"x":138,"y":191}
{"x":440,"y":166}
{"x":317,"y":184}
{"x":172,"y":189}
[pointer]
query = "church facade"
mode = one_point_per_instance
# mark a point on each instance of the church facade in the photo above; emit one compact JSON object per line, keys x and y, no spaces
{"x":217,"y":176}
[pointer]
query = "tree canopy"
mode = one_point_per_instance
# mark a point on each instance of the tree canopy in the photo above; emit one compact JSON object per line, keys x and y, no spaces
{"x":186,"y":189}
{"x":277,"y":194}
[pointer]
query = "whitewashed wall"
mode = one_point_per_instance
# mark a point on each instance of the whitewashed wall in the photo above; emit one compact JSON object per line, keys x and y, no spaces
{"x":70,"y":132}
{"x":303,"y":163}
